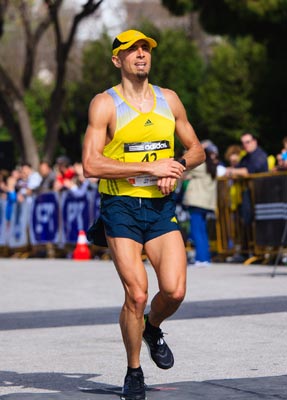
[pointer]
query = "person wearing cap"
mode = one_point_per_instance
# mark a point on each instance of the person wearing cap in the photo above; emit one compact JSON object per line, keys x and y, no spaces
{"x":129,"y":146}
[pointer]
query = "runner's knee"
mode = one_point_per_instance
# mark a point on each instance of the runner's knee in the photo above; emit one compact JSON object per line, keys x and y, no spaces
{"x":175,"y":296}
{"x":137,"y":302}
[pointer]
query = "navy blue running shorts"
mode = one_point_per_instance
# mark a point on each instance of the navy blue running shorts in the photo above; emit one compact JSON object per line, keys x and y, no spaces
{"x":137,"y":218}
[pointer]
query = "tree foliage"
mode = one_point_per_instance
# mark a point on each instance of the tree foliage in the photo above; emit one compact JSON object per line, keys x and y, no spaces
{"x":271,"y":11}
{"x":265,"y":21}
{"x":177,"y":65}
{"x":225,"y":98}
{"x":36,"y":100}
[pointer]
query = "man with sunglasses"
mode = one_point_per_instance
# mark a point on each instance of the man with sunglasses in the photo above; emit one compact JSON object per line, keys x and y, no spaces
{"x":253,"y":162}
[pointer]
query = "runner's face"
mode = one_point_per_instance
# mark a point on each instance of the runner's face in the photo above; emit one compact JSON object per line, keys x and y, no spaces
{"x":136,"y":60}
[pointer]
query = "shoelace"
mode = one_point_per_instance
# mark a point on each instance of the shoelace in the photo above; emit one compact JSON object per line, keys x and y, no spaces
{"x":159,"y":337}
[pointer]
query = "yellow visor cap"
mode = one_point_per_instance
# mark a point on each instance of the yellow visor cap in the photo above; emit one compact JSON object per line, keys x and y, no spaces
{"x":126,"y":39}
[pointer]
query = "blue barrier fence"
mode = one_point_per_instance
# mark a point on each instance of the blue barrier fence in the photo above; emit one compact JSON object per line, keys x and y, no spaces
{"x":48,"y":218}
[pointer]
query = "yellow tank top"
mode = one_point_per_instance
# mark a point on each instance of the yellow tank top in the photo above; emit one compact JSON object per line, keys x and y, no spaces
{"x":139,"y":137}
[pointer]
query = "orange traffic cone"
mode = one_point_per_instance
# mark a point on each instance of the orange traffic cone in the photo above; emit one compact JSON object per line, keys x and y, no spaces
{"x":82,"y":251}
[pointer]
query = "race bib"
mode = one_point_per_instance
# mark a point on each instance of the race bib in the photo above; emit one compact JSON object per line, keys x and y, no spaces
{"x":143,"y":180}
{"x":146,"y":152}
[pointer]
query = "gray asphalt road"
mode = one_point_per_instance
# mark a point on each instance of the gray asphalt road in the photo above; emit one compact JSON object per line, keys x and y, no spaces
{"x":60,"y":338}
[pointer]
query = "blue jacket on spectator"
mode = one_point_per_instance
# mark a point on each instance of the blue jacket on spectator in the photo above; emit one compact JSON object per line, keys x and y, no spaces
{"x":254,"y":162}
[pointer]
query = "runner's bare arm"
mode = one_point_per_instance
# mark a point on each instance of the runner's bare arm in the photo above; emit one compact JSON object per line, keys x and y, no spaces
{"x":99,"y":133}
{"x":194,"y":154}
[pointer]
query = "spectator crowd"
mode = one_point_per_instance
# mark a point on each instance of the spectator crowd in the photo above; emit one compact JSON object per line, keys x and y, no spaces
{"x":198,"y":195}
{"x":200,"y":192}
{"x":24,"y":181}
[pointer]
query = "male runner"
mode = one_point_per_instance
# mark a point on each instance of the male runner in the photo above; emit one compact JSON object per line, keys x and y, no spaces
{"x":129,"y":145}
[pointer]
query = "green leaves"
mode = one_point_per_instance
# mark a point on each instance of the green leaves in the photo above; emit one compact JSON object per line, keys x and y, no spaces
{"x":263,"y":9}
{"x":178,"y":65}
{"x":225,"y":100}
{"x":37,"y":101}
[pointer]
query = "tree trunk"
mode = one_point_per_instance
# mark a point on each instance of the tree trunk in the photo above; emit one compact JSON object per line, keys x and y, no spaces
{"x":10,"y":123}
{"x":53,"y":122}
{"x":29,"y":151}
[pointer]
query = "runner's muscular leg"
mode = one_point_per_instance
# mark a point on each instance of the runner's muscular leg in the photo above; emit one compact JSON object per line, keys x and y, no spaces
{"x":168,"y":257}
{"x":126,"y":254}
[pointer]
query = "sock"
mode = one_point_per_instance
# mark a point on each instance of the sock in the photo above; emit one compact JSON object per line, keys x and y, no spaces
{"x":134,"y":370}
{"x":150,"y":327}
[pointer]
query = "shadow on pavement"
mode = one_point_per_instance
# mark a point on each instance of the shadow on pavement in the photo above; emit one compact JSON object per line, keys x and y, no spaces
{"x":79,"y":387}
{"x":110,"y":315}
{"x":54,"y":381}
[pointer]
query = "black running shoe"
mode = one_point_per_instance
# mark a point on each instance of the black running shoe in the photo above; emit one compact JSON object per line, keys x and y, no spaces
{"x":159,"y":351}
{"x":134,"y":387}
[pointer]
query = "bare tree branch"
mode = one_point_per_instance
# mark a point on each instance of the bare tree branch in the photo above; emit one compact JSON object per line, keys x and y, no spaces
{"x":53,"y":7}
{"x":32,"y":40}
{"x":89,"y":8}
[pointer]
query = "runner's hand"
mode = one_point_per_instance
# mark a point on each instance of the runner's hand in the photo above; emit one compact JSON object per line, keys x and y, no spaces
{"x":166,"y":185}
{"x":167,"y":167}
